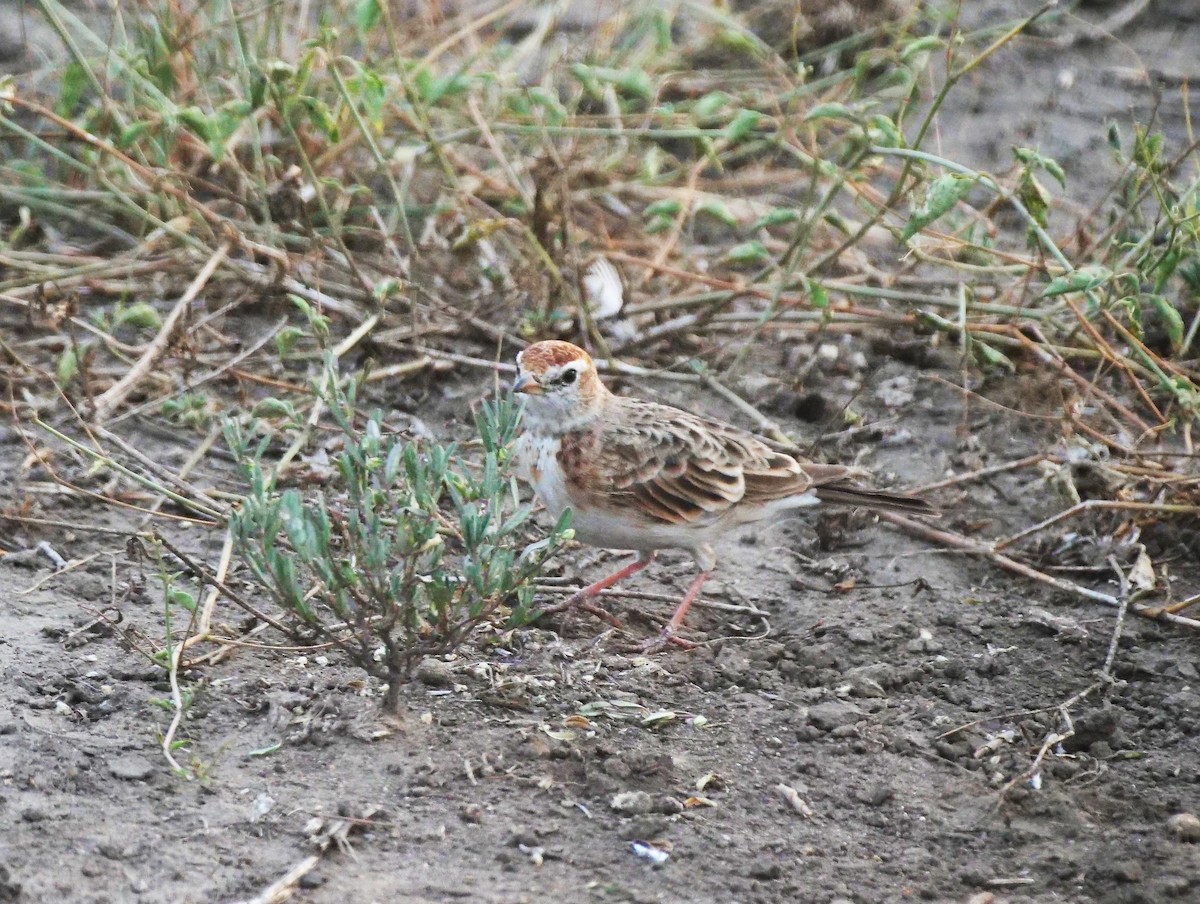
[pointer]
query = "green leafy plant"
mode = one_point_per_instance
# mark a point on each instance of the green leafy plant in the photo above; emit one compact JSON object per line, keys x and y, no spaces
{"x":405,"y":552}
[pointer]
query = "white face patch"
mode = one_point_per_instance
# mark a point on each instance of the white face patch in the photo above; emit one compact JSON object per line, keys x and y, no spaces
{"x":560,"y":406}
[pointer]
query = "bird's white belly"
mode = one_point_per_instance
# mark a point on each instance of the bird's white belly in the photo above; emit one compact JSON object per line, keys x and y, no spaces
{"x":604,"y":529}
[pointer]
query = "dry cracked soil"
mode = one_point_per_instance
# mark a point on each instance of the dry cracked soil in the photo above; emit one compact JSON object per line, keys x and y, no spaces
{"x":870,"y":737}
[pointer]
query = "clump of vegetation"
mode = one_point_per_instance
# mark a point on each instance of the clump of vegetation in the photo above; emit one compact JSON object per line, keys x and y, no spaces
{"x":404,"y":552}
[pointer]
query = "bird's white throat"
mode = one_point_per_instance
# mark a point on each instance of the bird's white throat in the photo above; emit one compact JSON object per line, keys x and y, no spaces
{"x":553,"y":416}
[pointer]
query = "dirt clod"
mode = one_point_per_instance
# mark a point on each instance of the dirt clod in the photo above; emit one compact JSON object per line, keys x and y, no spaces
{"x":640,"y":803}
{"x":471,"y":813}
{"x":862,"y":637}
{"x":10,"y":889}
{"x":834,"y":714}
{"x":765,"y":870}
{"x":1130,"y":871}
{"x":650,"y":826}
{"x":131,"y":767}
{"x":633,"y":803}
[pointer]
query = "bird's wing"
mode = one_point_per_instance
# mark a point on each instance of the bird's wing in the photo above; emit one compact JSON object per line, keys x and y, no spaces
{"x":675,"y":468}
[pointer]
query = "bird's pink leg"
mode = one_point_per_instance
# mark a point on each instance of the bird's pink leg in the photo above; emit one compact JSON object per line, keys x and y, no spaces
{"x":668,"y":633}
{"x":688,"y":598}
{"x":581,"y":599}
{"x":604,"y":583}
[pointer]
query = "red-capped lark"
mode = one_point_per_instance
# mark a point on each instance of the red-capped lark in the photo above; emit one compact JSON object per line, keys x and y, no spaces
{"x":643,"y":476}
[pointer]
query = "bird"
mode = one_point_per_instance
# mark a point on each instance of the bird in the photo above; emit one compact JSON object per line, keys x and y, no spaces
{"x":643,"y":476}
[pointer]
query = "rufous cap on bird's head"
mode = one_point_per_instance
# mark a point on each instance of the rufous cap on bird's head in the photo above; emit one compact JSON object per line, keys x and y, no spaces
{"x":561,"y":385}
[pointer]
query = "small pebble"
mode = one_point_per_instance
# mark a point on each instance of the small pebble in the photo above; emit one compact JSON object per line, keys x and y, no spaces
{"x":101,"y":710}
{"x":1127,"y":871}
{"x":879,"y":795}
{"x":1185,"y":827}
{"x":112,"y":851}
{"x":924,"y":644}
{"x":263,"y":804}
{"x":311,"y":880}
{"x":472,"y":813}
{"x":861,"y":636}
{"x":896,"y":392}
{"x":667,"y":805}
{"x":765,"y":870}
{"x":633,"y":803}
{"x":434,"y":673}
{"x":522,"y":838}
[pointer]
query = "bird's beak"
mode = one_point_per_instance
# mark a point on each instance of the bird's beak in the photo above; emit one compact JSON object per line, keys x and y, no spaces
{"x":527,"y":384}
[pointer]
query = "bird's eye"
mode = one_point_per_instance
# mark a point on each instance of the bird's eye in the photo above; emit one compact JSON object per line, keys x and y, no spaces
{"x":568,"y":376}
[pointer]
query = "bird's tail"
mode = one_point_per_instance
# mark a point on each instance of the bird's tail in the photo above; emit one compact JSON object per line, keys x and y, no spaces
{"x":879,"y":500}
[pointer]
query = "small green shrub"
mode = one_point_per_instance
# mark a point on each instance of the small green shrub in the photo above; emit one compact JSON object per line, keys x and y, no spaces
{"x":404,"y":552}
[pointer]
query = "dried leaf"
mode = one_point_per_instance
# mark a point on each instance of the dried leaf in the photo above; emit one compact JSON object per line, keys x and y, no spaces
{"x":944,"y":192}
{"x":605,"y":294}
{"x":661,"y":716}
{"x":1141,"y":575}
{"x":567,"y":735}
{"x":793,"y":799}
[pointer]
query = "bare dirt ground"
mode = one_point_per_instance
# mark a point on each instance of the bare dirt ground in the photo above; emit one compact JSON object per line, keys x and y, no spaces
{"x":906,"y":708}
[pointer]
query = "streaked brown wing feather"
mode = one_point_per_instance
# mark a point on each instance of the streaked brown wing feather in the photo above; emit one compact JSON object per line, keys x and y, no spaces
{"x":661,"y":504}
{"x":676,"y":468}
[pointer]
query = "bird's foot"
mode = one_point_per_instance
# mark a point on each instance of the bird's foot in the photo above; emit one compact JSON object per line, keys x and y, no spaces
{"x":668,"y":635}
{"x":582,"y":601}
{"x":665,"y":638}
